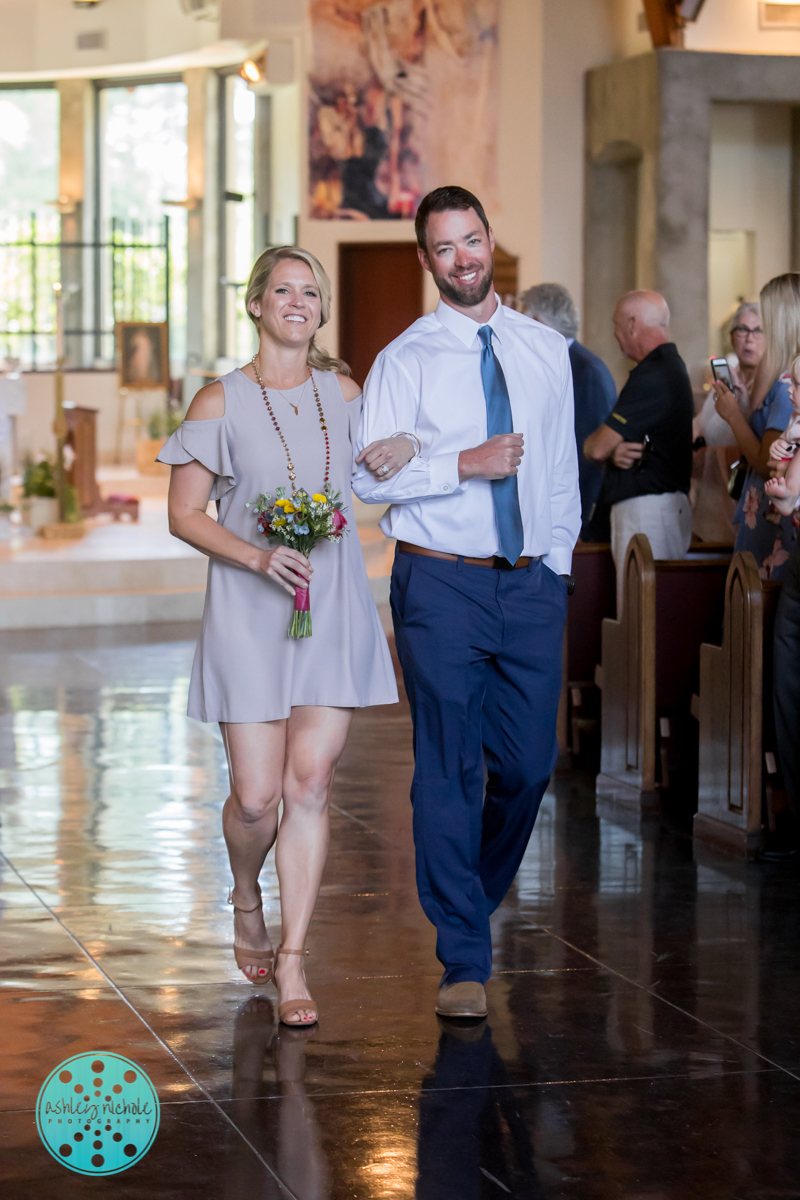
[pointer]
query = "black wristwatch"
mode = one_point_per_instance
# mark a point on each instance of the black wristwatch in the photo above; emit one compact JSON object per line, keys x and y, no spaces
{"x":570,"y":583}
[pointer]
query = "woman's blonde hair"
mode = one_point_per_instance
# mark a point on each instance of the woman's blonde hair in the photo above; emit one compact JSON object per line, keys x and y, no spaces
{"x":780,"y":309}
{"x":263,"y":267}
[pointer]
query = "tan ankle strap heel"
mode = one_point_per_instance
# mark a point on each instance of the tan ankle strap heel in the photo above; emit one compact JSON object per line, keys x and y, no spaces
{"x":292,"y":1007}
{"x":262,"y":960}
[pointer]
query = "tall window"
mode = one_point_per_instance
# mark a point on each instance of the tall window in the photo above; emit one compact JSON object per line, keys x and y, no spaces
{"x":143,"y":146}
{"x":237,"y":249}
{"x":29,"y":154}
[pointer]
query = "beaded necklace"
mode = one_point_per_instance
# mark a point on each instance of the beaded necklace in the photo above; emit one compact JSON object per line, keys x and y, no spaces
{"x":323,"y":423}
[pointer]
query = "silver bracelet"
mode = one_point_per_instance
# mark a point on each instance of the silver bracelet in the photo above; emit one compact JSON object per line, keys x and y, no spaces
{"x":412,"y":437}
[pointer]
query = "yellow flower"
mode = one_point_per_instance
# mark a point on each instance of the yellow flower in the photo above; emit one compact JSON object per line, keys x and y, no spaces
{"x":278,"y":522}
{"x":289,"y":507}
{"x":320,"y":499}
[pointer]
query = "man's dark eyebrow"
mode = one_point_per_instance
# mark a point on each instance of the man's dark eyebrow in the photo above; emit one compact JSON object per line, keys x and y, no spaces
{"x":465,"y":238}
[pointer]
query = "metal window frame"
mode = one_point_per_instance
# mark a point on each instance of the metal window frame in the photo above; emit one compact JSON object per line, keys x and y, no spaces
{"x":262,"y":190}
{"x":98,"y":86}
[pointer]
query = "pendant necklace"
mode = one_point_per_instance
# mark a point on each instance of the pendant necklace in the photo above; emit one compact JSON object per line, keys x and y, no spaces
{"x":291,"y":404}
{"x":322,"y":421}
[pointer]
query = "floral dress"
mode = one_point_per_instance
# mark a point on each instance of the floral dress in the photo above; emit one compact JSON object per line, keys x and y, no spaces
{"x":762,"y":530}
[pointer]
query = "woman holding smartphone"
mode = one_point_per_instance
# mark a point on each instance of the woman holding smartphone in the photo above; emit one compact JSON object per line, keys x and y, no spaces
{"x":760,"y":527}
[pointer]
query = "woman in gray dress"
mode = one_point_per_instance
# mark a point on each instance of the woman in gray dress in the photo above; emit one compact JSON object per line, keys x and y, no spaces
{"x":284,"y":705}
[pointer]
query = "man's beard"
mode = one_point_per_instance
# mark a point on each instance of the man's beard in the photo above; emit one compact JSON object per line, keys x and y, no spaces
{"x":467,"y":296}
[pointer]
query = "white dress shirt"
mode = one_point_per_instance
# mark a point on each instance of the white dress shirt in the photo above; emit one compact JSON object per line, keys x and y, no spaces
{"x":428,"y":382}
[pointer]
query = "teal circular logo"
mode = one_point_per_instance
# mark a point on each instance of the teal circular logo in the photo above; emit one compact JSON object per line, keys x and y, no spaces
{"x":97,"y":1113}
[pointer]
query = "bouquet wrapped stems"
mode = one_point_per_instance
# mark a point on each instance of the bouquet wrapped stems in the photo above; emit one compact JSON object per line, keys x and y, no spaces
{"x":301,"y":619}
{"x":301,"y":522}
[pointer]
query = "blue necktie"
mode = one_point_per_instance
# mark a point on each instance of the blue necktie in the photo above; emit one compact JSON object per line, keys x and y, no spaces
{"x":505,"y":493}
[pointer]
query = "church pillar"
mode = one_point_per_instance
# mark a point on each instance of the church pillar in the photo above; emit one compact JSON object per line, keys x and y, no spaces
{"x":76,"y":180}
{"x":203,"y":217}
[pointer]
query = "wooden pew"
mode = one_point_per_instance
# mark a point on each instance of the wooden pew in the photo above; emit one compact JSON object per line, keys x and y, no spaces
{"x":593,"y":599}
{"x":649,"y":669}
{"x":734,"y":710}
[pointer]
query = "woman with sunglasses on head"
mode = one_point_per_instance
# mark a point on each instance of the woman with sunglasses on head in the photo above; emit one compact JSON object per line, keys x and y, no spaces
{"x":761,"y":529}
{"x":287,"y":419}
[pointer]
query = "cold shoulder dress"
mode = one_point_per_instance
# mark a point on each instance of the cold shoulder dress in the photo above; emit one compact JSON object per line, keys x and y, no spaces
{"x":246,"y":667}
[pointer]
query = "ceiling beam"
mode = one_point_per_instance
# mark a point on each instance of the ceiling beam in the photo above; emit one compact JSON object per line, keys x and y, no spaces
{"x":664,"y":22}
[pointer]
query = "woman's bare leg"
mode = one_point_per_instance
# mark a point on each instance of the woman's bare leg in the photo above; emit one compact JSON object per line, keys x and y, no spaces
{"x":250,"y":819}
{"x":315,"y":738}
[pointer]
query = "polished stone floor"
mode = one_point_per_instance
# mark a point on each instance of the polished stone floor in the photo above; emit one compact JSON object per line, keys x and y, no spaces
{"x":644,"y":1031}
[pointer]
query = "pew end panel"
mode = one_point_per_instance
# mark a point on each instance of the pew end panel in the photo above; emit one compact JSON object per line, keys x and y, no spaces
{"x":690,"y":601}
{"x":627,"y":760}
{"x":650,"y":671}
{"x":735,"y":714}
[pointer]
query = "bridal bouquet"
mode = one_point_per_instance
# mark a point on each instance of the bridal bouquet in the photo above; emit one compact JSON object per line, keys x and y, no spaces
{"x":301,"y":522}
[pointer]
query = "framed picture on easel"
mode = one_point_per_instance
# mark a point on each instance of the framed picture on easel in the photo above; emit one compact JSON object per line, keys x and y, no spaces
{"x":142,"y":354}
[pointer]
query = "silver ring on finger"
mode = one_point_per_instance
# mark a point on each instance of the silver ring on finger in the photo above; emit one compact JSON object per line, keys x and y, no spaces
{"x":384,"y":470}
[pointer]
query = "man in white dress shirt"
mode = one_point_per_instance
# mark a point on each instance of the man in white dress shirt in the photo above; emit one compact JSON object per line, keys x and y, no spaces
{"x":486,"y":516}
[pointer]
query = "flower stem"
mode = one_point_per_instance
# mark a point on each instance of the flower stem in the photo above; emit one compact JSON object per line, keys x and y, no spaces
{"x":301,"y":625}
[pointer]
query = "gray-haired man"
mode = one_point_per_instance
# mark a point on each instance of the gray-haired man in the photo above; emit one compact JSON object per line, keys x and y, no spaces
{"x":595,"y":393}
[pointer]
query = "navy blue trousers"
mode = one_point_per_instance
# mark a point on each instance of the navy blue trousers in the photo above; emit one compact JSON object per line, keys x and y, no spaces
{"x":481,"y":656}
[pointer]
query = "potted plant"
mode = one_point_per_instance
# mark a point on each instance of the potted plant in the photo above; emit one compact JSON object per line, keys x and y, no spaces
{"x":6,"y":529}
{"x":159,"y":427}
{"x":39,"y":504}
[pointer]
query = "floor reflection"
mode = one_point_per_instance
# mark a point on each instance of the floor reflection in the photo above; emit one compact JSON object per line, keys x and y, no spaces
{"x":643,"y":1039}
{"x":470,"y":1128}
{"x":285,"y":1130}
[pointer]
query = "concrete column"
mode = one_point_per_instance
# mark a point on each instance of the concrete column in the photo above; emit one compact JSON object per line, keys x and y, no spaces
{"x":795,"y":202}
{"x":682,"y":209}
{"x":622,"y":151}
{"x":76,"y":203}
{"x":203,"y":217}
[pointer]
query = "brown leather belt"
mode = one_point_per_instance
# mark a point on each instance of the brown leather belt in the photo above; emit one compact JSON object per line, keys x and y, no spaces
{"x":496,"y":562}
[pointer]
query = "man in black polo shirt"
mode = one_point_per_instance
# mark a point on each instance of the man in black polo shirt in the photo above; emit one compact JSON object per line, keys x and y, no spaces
{"x":646,"y":439}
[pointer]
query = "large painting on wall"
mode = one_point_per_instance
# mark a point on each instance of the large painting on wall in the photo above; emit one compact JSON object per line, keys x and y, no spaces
{"x":403,"y":98}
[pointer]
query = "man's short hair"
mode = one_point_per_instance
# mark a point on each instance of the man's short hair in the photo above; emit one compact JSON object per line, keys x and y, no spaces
{"x":552,"y":304}
{"x":445,"y":199}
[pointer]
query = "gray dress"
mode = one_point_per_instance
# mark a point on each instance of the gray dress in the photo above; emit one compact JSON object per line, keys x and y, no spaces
{"x":246,"y":667}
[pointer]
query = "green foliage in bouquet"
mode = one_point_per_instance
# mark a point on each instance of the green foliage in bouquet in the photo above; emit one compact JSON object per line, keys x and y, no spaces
{"x":301,"y":522}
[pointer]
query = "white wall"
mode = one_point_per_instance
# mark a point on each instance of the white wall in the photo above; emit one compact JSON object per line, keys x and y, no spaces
{"x":751,"y":162}
{"x":733,"y":26}
{"x":87,"y":389}
{"x":577,"y":36}
{"x":628,"y":28}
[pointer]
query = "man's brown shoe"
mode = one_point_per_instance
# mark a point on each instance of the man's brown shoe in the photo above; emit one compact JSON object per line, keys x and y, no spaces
{"x":467,"y":999}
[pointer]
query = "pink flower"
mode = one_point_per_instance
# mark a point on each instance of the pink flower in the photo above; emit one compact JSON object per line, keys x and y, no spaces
{"x":339,"y":520}
{"x":751,"y":508}
{"x":776,"y":559}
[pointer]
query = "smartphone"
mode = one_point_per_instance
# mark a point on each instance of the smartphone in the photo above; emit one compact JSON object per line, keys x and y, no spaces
{"x":647,"y":446}
{"x":722,"y":371}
